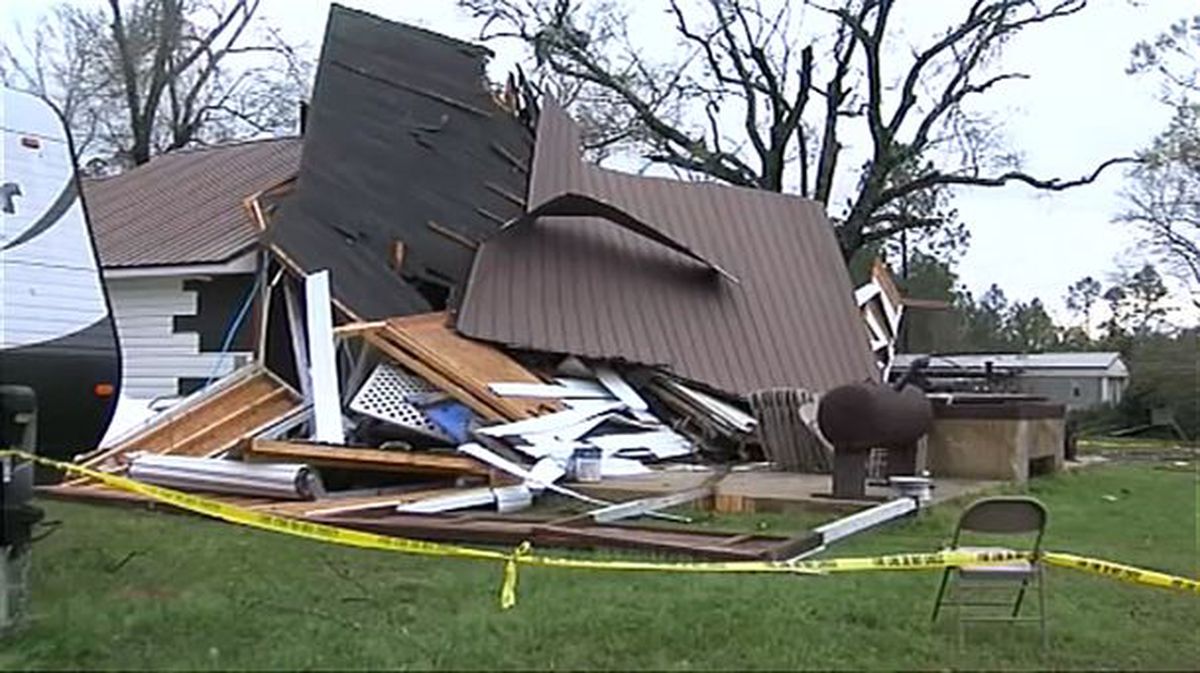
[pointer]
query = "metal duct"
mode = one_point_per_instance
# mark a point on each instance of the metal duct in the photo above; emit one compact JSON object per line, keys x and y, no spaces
{"x":279,"y":480}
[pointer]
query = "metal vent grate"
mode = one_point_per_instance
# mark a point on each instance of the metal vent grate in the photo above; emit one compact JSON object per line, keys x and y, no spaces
{"x":385,"y":396}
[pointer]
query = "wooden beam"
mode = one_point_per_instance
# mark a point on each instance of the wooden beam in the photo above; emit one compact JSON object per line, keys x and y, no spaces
{"x":330,"y":455}
{"x":358,"y":328}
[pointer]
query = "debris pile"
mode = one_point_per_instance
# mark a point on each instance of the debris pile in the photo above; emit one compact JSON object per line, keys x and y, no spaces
{"x":464,"y":315}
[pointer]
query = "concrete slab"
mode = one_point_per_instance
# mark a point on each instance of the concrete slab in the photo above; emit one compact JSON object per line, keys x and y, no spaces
{"x":766,"y":491}
{"x":1081,"y":462}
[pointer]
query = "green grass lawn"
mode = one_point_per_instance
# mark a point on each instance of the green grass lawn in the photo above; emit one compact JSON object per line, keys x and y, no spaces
{"x":122,"y":588}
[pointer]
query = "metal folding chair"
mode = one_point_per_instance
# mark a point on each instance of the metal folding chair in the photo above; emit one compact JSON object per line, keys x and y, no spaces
{"x":979,"y":586}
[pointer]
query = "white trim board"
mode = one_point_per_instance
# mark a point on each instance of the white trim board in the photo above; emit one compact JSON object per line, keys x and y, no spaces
{"x":546,"y":390}
{"x":244,"y":263}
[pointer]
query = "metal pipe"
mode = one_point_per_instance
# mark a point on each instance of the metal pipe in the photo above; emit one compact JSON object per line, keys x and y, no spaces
{"x":274,"y":480}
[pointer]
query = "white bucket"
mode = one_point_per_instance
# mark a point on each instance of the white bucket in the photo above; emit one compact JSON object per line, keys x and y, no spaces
{"x":585,"y":464}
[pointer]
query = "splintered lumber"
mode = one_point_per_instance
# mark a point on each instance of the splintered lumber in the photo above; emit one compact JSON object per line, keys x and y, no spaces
{"x":329,"y":455}
{"x":210,"y":421}
{"x":470,"y":364}
{"x":489,"y":528}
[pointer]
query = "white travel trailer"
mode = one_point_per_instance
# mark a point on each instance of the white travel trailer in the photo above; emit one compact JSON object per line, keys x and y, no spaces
{"x":56,"y":329}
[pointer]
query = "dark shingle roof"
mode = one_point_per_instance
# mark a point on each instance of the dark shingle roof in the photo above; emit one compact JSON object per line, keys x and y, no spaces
{"x":185,"y":207}
{"x":404,"y":144}
{"x":586,"y":286}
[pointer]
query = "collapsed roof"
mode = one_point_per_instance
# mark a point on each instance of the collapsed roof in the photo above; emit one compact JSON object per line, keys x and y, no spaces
{"x":734,"y":288}
{"x":408,"y":161}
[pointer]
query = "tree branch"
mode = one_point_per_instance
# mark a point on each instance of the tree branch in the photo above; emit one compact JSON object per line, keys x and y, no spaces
{"x":936,"y":178}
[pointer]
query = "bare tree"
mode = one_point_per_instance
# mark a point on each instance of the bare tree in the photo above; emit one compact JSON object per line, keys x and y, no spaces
{"x":1163,"y":193}
{"x":148,"y":76}
{"x":753,"y":99}
{"x":56,"y":64}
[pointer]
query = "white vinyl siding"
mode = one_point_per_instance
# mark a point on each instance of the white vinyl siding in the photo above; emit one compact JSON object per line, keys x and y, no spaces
{"x":153,"y":356}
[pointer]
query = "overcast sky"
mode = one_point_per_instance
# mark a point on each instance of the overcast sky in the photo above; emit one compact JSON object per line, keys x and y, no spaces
{"x":1078,"y":109}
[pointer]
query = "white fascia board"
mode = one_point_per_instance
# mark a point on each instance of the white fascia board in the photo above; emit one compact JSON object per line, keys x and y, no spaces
{"x":867,"y":518}
{"x":865,"y":293}
{"x":546,"y":390}
{"x":478,"y":497}
{"x":631,"y":508}
{"x":246,"y":263}
{"x":581,"y":404}
{"x":322,"y":364}
{"x":560,"y":420}
{"x":581,"y":385}
{"x":620,"y":389}
{"x":638,"y":440}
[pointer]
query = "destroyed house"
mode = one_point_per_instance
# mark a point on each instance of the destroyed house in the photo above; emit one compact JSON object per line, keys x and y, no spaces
{"x":455,"y":311}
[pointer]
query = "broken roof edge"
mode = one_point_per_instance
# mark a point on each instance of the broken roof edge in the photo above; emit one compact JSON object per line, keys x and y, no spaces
{"x":475,"y":49}
{"x":577,"y":204}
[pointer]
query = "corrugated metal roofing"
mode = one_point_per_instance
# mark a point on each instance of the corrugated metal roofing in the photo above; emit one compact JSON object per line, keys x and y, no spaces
{"x":404,"y":143}
{"x":585,"y":286}
{"x":1072,"y":360}
{"x":185,"y":207}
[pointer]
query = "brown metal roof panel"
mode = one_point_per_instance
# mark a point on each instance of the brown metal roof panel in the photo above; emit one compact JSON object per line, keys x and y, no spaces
{"x":585,"y":286}
{"x":185,"y":207}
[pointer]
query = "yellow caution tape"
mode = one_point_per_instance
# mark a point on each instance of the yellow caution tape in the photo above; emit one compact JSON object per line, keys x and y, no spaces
{"x":1125,"y":573}
{"x":523,"y":553}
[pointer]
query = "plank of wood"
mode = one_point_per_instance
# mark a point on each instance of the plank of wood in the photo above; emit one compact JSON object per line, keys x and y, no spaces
{"x":471,"y":364}
{"x":366,"y":459}
{"x":401,"y":357}
{"x":331,"y":506}
{"x":359,"y":328}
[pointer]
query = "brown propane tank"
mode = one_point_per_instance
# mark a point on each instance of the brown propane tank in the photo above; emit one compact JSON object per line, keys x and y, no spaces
{"x":858,"y":417}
